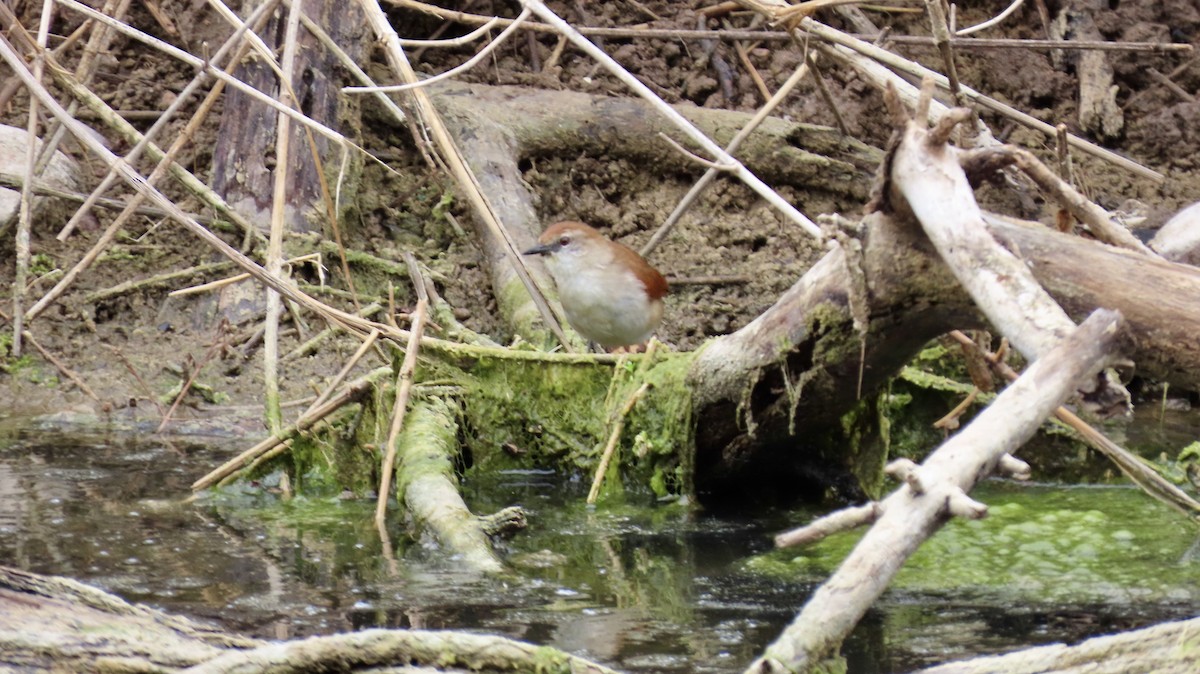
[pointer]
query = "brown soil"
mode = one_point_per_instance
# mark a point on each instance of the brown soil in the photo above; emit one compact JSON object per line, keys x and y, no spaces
{"x":730,"y":232}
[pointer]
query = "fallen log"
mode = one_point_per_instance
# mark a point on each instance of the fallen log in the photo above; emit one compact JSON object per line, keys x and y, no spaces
{"x":1169,"y":648}
{"x":58,"y":624}
{"x":808,"y":333}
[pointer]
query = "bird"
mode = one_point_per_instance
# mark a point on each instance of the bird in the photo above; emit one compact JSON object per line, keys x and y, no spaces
{"x":611,"y":295}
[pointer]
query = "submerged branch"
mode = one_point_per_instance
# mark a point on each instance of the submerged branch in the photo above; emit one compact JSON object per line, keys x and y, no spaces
{"x":426,"y":484}
{"x":353,"y":391}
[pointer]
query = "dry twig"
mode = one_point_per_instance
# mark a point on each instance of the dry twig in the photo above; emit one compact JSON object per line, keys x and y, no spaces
{"x":613,"y":438}
{"x":1130,"y":464}
{"x":404,"y":381}
{"x":352,"y":392}
{"x":345,"y":371}
{"x":287,"y":99}
{"x":783,"y":36}
{"x":470,"y":63}
{"x":711,"y":174}
{"x":219,"y":343}
{"x":842,"y":41}
{"x":995,"y":20}
{"x":722,"y":157}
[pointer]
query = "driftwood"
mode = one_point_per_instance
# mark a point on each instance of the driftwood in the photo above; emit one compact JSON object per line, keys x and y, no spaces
{"x":733,"y":439}
{"x":1169,"y":648}
{"x":924,"y":181}
{"x":934,"y":492}
{"x":1179,"y":238}
{"x":913,"y":298}
{"x":927,"y":180}
{"x":802,"y":360}
{"x":57,"y":624}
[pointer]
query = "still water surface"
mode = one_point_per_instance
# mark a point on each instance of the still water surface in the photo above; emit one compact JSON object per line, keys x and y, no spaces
{"x":645,"y":588}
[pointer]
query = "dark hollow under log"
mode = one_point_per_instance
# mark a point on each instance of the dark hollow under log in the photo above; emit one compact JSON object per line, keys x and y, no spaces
{"x":745,"y":430}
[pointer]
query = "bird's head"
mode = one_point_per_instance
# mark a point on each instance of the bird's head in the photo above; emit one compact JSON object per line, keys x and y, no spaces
{"x":570,"y":245}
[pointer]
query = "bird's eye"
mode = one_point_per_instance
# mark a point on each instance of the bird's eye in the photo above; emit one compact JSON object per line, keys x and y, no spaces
{"x":564,"y":241}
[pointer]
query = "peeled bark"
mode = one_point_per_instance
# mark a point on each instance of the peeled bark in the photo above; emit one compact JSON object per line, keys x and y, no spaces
{"x":244,"y":154}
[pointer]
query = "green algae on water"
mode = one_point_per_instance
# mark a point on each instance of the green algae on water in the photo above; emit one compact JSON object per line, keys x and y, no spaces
{"x":1038,"y":544}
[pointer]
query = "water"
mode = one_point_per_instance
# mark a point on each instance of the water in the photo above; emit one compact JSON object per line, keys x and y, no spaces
{"x":643,"y":587}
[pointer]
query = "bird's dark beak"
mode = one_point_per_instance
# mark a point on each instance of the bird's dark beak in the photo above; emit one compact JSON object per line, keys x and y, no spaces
{"x":540,"y":249}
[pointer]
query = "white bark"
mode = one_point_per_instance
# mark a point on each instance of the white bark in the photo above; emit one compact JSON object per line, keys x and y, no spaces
{"x":947,"y":474}
{"x":931,"y":181}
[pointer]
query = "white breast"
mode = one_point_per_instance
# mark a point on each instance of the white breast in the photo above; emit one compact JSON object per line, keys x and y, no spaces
{"x":606,"y":303}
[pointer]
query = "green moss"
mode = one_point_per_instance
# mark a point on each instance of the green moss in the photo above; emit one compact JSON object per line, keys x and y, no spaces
{"x":865,"y":430}
{"x":519,"y":412}
{"x":204,"y":391}
{"x":41,"y":264}
{"x":936,"y":382}
{"x":442,"y":207}
{"x":339,"y":457}
{"x":560,"y":415}
{"x":842,"y":347}
{"x":514,"y":301}
{"x":373,"y":275}
{"x":426,"y":427}
{"x":544,"y":410}
{"x":833,"y":665}
{"x":548,"y":660}
{"x":25,"y":365}
{"x":660,"y":425}
{"x":117,"y":254}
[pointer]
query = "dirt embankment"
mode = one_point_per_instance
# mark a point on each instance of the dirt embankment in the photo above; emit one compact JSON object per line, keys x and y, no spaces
{"x":133,"y":348}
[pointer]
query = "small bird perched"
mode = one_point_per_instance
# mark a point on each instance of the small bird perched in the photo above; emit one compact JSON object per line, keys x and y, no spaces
{"x":611,"y":295}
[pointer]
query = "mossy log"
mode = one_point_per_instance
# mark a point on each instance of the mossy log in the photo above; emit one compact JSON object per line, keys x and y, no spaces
{"x":493,"y":409}
{"x":768,"y":405}
{"x":57,"y":624}
{"x":767,"y":395}
{"x":427,"y":485}
{"x":772,"y":399}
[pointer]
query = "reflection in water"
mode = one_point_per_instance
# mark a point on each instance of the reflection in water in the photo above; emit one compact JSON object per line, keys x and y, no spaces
{"x":645,"y":588}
